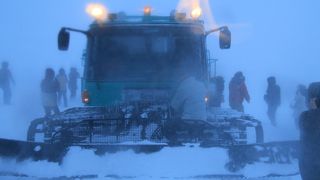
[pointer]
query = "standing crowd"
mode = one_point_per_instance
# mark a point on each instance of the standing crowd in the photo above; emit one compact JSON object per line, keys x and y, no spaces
{"x":306,"y":114}
{"x":54,"y":89}
{"x":238,"y":94}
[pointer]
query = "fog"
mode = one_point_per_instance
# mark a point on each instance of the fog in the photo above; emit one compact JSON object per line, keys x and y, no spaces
{"x":269,"y":38}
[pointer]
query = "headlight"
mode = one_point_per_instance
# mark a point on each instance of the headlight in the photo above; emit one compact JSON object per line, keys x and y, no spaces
{"x":147,"y":10}
{"x":196,"y":13}
{"x":85,"y":97}
{"x":97,"y":11}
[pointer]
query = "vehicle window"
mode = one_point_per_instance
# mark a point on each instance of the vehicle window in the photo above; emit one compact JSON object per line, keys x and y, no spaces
{"x":139,"y":56}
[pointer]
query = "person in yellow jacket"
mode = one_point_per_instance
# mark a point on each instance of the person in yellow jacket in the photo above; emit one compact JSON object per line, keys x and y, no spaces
{"x":63,"y":83}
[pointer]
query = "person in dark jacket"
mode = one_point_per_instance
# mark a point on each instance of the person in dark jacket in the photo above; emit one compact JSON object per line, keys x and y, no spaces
{"x":49,"y":90}
{"x":238,"y":92}
{"x":273,"y":99}
{"x":73,"y":85}
{"x":215,"y":95}
{"x":5,"y":81}
{"x":309,"y":162}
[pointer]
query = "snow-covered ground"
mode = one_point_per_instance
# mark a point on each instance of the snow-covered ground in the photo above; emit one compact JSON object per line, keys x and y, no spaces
{"x":169,"y":163}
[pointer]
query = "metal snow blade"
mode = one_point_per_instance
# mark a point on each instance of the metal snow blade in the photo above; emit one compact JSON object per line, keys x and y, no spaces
{"x":22,"y":150}
{"x":284,"y":152}
{"x":139,"y":147}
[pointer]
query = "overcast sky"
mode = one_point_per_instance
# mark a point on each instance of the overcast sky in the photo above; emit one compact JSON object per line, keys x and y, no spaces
{"x":269,"y":35}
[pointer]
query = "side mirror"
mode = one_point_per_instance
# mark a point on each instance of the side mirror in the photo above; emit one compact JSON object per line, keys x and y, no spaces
{"x":63,"y":39}
{"x":225,"y":38}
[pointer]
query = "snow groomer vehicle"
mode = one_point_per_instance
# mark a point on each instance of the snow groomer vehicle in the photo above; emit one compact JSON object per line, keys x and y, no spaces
{"x":130,"y":65}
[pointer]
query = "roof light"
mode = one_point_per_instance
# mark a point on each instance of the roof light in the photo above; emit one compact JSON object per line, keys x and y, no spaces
{"x":97,"y":11}
{"x":180,"y":16}
{"x":196,"y":13}
{"x":147,"y":10}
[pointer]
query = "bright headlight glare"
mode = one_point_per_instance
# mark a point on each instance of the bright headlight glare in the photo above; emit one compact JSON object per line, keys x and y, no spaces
{"x":147,"y":11}
{"x":196,"y":13}
{"x":97,"y":11}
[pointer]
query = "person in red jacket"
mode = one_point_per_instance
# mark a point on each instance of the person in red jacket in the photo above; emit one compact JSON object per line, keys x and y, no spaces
{"x":238,"y":92}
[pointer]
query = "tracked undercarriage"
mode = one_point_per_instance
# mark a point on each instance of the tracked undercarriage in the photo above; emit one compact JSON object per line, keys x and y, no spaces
{"x":141,"y":123}
{"x":146,"y":128}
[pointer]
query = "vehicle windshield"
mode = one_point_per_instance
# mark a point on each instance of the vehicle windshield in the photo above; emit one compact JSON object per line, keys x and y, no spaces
{"x":145,"y":54}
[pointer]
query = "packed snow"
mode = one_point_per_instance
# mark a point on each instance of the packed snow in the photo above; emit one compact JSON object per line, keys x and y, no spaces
{"x":178,"y":162}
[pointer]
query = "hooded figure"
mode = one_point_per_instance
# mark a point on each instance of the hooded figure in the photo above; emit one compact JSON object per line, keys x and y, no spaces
{"x":188,"y":101}
{"x":188,"y":105}
{"x":299,"y":103}
{"x":49,"y":90}
{"x":309,"y":162}
{"x":5,"y":80}
{"x":238,"y":92}
{"x":273,"y":99}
